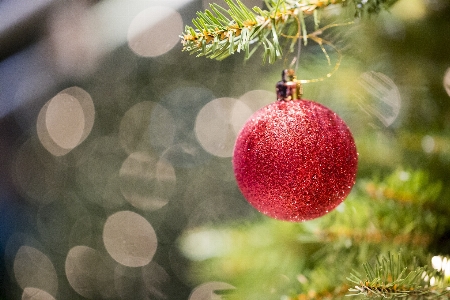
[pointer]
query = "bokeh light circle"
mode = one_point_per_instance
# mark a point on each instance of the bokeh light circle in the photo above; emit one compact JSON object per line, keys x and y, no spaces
{"x":382,"y":97}
{"x":216,"y":123}
{"x":31,"y":293}
{"x":155,"y":31}
{"x":81,"y":267}
{"x":32,"y":268}
{"x":129,"y":238}
{"x":256,"y":99}
{"x":206,"y":291}
{"x":65,"y":120}
{"x":146,"y":181}
{"x":446,"y":81}
{"x":146,"y":125}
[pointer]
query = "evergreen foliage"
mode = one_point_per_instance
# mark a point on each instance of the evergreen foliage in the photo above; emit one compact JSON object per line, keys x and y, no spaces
{"x":379,"y":242}
{"x":220,"y":32}
{"x":317,"y":259}
{"x":393,"y":277}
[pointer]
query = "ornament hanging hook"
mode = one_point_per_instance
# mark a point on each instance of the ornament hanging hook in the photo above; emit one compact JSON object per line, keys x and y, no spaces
{"x":289,"y":88}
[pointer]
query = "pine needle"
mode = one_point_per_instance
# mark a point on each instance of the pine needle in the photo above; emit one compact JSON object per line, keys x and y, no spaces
{"x":392,"y":277}
{"x":213,"y":28}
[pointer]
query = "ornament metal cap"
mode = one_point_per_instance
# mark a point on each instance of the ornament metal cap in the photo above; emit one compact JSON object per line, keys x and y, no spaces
{"x":289,"y":88}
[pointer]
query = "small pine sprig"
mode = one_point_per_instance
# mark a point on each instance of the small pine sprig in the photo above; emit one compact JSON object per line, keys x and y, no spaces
{"x":392,"y":278}
{"x":219,"y":32}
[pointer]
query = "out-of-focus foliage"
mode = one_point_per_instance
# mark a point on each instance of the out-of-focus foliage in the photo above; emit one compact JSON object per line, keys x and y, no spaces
{"x":270,"y":258}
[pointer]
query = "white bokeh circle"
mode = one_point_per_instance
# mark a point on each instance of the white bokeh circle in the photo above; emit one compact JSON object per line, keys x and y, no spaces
{"x":31,"y":293}
{"x":146,"y":181}
{"x":217,"y":124}
{"x":155,"y":31}
{"x":130,"y":239}
{"x":206,"y":291}
{"x":65,"y":120}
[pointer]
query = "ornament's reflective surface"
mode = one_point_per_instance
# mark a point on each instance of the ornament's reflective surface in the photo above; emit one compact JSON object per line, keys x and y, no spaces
{"x":295,"y":160}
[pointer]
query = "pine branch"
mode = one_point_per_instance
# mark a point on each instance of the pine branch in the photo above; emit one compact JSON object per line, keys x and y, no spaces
{"x":220,"y":32}
{"x":392,"y":278}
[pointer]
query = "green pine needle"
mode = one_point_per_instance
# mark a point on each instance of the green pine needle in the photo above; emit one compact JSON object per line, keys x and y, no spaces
{"x":392,"y":277}
{"x":219,"y":32}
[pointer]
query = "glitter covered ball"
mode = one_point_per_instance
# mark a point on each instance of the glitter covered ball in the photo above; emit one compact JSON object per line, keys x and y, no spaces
{"x":295,"y":160}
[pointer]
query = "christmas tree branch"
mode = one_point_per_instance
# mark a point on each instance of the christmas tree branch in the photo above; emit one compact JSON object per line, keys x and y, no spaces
{"x":219,"y":32}
{"x":392,"y":278}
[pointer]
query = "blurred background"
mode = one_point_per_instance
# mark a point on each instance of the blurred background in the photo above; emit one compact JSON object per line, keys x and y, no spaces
{"x":115,"y":146}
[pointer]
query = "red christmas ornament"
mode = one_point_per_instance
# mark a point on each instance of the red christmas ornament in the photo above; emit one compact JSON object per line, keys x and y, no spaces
{"x":295,"y":160}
